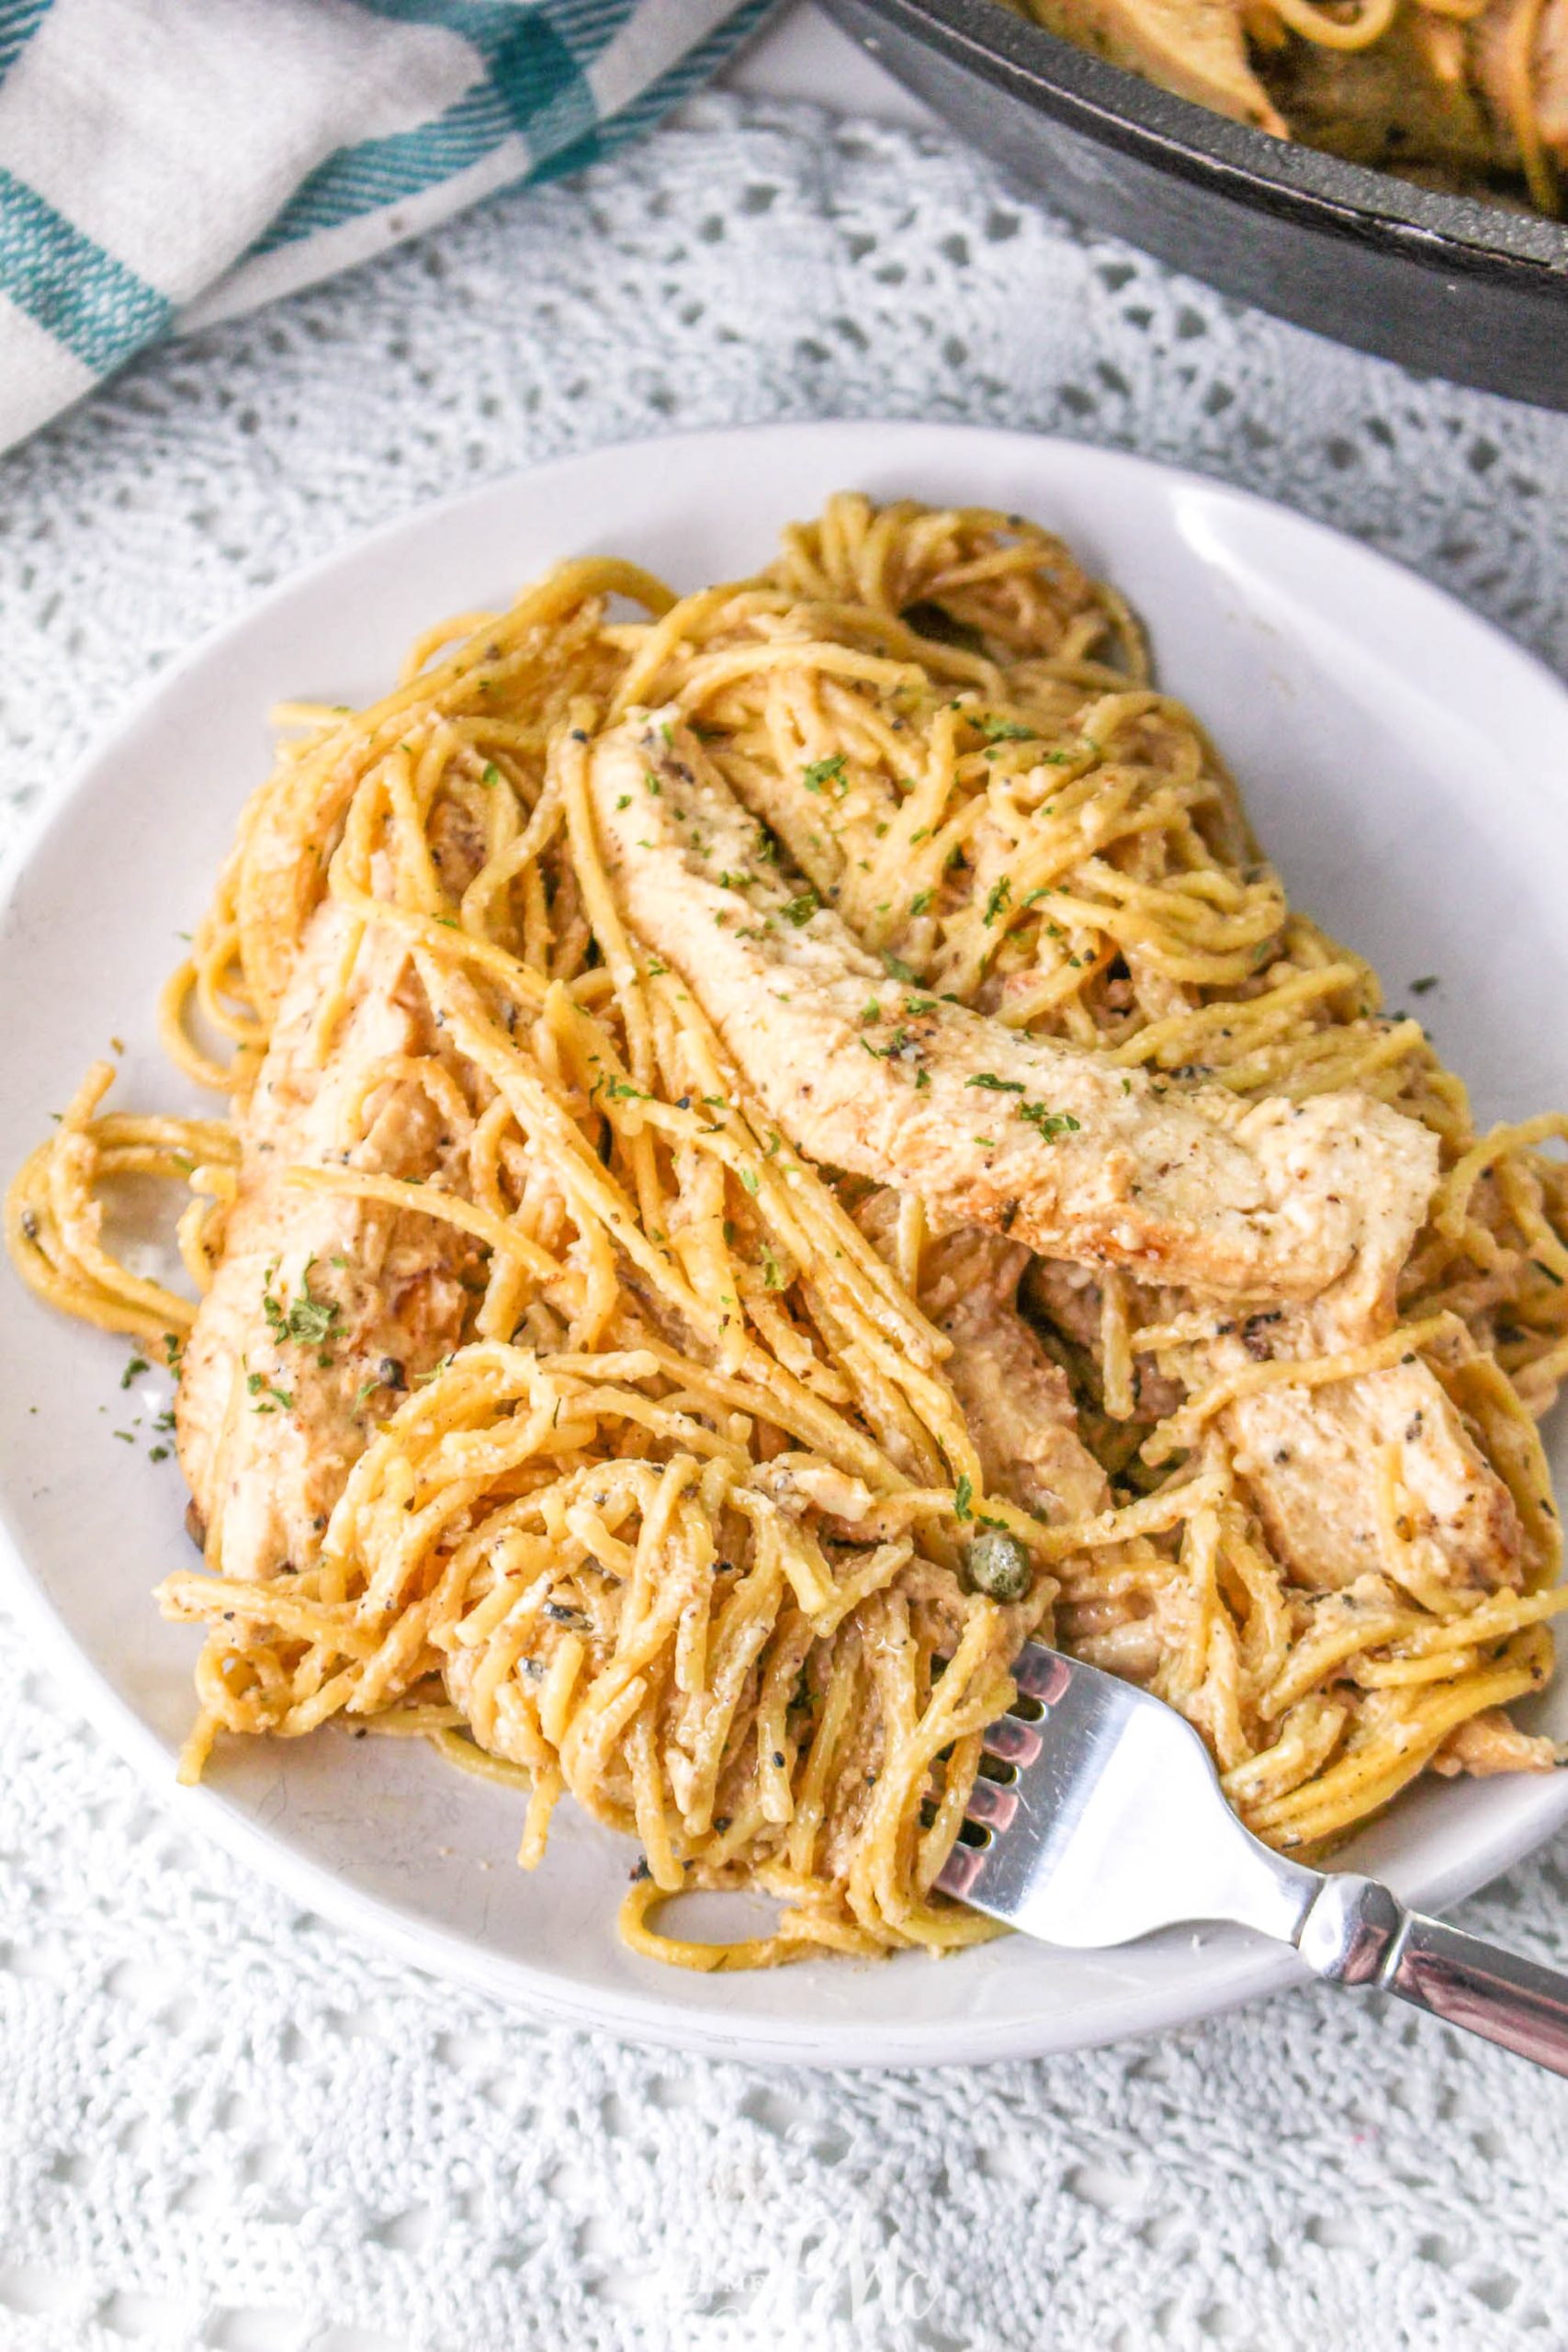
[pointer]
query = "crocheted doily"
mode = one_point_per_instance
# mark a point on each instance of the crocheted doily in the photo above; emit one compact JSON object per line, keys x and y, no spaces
{"x":223,"y":2125}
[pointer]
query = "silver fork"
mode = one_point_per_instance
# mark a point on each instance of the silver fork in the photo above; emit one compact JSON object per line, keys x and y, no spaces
{"x":1105,"y":1820}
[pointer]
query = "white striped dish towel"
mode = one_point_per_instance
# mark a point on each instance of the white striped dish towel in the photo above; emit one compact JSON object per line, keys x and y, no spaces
{"x":167,"y":163}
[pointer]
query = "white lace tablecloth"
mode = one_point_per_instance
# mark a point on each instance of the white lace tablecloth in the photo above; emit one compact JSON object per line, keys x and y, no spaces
{"x":223,"y":2125}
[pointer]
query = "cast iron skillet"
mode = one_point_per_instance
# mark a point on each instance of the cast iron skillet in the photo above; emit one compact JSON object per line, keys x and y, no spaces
{"x":1447,"y":285}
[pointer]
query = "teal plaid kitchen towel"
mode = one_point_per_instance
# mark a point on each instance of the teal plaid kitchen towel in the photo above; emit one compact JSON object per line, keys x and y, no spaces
{"x":166,"y":163}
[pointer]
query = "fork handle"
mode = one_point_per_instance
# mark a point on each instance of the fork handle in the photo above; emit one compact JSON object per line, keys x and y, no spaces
{"x":1357,"y":1933}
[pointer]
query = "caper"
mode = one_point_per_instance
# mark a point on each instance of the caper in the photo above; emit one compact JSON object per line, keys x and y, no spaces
{"x":997,"y":1564}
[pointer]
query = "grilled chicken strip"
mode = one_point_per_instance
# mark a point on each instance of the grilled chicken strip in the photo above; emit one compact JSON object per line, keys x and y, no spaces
{"x":324,"y":1305}
{"x":1197,"y":48}
{"x":1489,"y":1742}
{"x":1018,"y":1404}
{"x":1079,"y":1161}
{"x":1312,"y":1460}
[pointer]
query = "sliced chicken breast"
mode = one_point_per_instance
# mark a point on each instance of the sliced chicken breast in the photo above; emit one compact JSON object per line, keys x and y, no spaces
{"x":1018,"y":1404}
{"x":324,"y":1307}
{"x":1489,"y":1742}
{"x":1056,"y":1148}
{"x":1196,"y":48}
{"x":1312,"y":1460}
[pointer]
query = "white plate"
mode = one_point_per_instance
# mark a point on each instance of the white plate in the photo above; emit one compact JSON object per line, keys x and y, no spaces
{"x":1406,"y":767}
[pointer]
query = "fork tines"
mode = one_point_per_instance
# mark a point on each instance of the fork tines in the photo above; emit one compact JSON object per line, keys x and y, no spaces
{"x":1014,"y":1740}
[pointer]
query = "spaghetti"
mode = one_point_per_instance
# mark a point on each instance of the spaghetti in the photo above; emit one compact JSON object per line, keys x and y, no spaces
{"x":1468,"y":94}
{"x":670,"y":1504}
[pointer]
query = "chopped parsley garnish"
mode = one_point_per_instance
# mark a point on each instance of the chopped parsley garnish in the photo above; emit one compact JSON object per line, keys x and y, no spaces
{"x":964,"y":1499}
{"x":993,"y":1084}
{"x":1424,"y":985}
{"x":1004,"y":730}
{"x":895,"y":966}
{"x":1000,"y":892}
{"x":800,"y":910}
{"x":137,"y":1364}
{"x":920,"y":904}
{"x":824,"y":771}
{"x":1053,"y":1124}
{"x":490,"y":774}
{"x":652,"y":782}
{"x":624,"y":801}
{"x":309,"y":1320}
{"x":772,"y":1272}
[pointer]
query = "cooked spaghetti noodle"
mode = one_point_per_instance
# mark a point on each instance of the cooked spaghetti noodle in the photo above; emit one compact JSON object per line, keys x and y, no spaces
{"x":1468,"y":95}
{"x":670,"y":1504}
